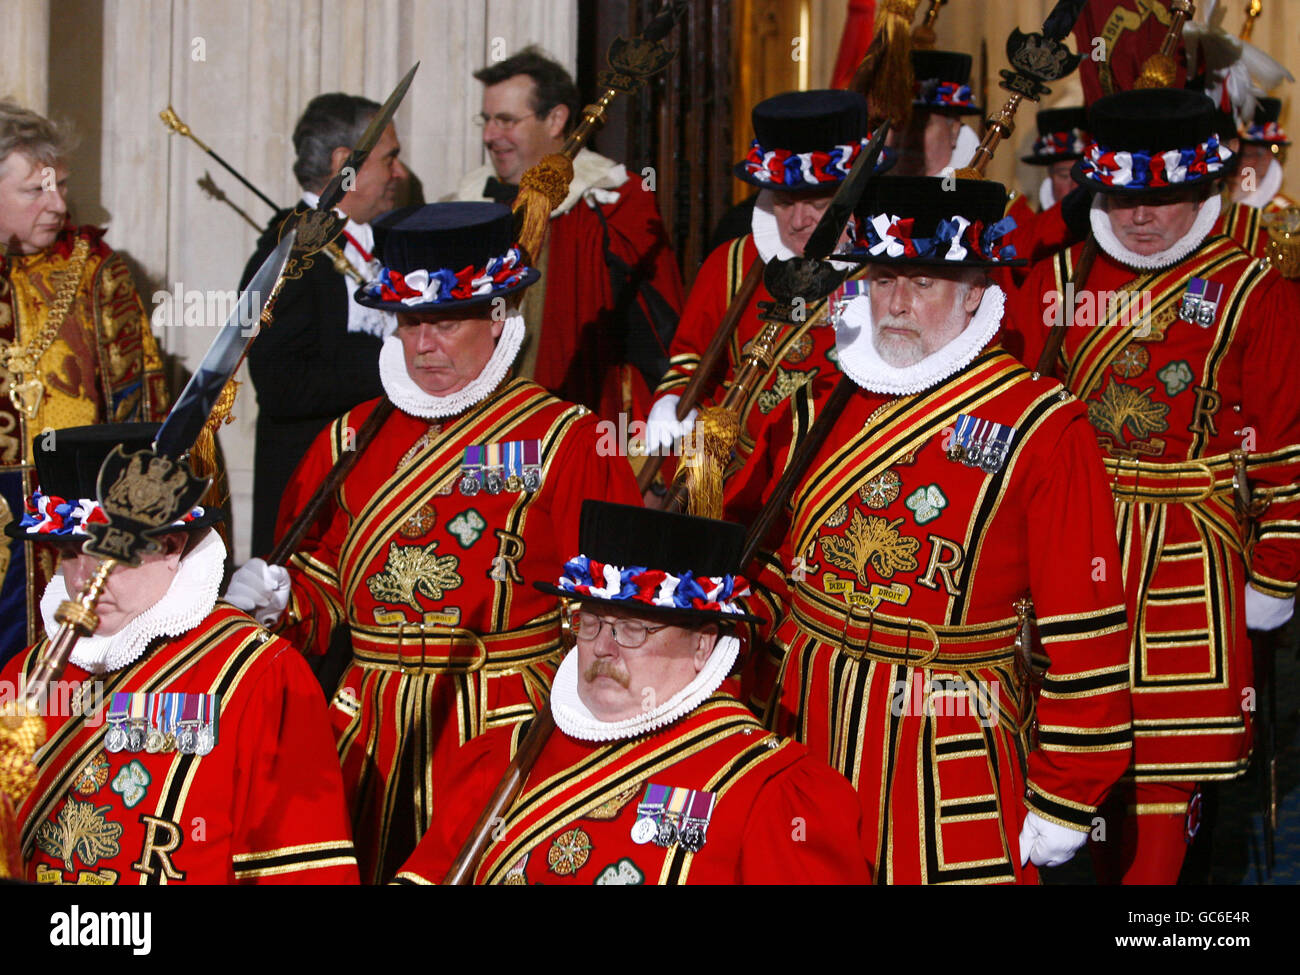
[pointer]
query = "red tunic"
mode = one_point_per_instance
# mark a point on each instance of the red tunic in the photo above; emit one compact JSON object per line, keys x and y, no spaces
{"x":265,"y":806}
{"x":895,"y":584}
{"x":802,"y":355}
{"x":779,"y":817}
{"x":582,"y":353}
{"x":449,"y":636}
{"x":1170,"y":400}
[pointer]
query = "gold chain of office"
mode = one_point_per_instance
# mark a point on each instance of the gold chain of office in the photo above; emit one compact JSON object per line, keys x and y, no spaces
{"x":19,"y":361}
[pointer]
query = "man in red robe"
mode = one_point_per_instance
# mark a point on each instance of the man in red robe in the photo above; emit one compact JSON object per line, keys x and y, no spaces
{"x":471,"y":488}
{"x":184,"y":743}
{"x":655,"y":773}
{"x":953,"y":497}
{"x":1180,"y":348}
{"x":600,"y":322}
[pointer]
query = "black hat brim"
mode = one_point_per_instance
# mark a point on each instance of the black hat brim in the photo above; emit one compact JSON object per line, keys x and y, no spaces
{"x":1076,"y":172}
{"x":530,"y":277}
{"x":655,"y":612}
{"x":1036,"y":160}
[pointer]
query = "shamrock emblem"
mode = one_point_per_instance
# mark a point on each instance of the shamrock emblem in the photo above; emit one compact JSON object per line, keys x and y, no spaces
{"x":1176,"y":376}
{"x":130,"y":782}
{"x":467,"y":527}
{"x":925,"y":503}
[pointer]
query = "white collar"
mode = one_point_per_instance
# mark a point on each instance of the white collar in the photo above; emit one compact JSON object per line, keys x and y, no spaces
{"x":963,"y":152}
{"x":1193,"y":239}
{"x":1266,"y":188}
{"x":411,"y":399}
{"x":596,"y":180}
{"x":859,"y":360}
{"x":1046,"y":199}
{"x":186,"y":603}
{"x":767,"y":236}
{"x":576,"y":720}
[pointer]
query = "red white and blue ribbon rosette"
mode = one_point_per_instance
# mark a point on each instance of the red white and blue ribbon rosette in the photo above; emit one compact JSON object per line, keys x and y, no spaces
{"x":783,"y":169}
{"x":1075,"y":142}
{"x":49,"y":514}
{"x":1268,"y":132}
{"x":1137,"y":170}
{"x":955,"y":239}
{"x":421,"y":287}
{"x":653,"y":587}
{"x":942,"y":94}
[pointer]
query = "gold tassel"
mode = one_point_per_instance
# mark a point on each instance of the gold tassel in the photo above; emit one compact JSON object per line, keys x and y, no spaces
{"x":885,"y":74}
{"x":203,"y":455}
{"x":1158,"y":71}
{"x":705,"y":462}
{"x":542,"y":188}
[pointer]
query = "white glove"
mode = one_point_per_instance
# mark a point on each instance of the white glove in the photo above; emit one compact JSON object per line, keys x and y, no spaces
{"x":260,"y":590}
{"x":1267,"y":612}
{"x":662,"y":426}
{"x":1046,"y":843}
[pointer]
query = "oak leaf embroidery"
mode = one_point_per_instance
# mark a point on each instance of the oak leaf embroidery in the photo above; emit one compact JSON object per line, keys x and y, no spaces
{"x":411,"y":569}
{"x":81,"y":829}
{"x":872,"y":541}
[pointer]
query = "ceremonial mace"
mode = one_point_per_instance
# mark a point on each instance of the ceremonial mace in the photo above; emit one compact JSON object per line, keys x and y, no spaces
{"x":174,"y":123}
{"x":142,"y":495}
{"x":923,"y":36}
{"x":1158,"y":71}
{"x":1253,"y":10}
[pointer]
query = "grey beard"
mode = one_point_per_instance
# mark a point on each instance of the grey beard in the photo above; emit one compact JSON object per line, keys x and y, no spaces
{"x":899,"y":351}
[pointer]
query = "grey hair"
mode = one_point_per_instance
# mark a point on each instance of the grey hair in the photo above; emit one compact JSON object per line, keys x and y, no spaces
{"x":46,"y":142}
{"x":329,"y":121}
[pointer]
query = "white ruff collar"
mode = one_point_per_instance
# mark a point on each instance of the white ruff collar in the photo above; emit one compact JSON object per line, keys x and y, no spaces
{"x":412,"y":400}
{"x":859,"y":360}
{"x":1267,"y":187}
{"x":963,"y":152}
{"x":767,"y":236}
{"x":1193,"y":239}
{"x":186,"y":603}
{"x":575,"y":720}
{"x":1046,"y":200}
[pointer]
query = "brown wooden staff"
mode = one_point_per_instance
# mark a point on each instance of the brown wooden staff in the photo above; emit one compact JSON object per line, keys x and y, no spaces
{"x":708,"y":362}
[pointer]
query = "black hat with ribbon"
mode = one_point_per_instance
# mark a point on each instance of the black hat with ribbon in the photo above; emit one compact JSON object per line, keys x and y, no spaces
{"x":1264,"y":130}
{"x":934,"y":221}
{"x":806,"y":141}
{"x":446,"y":257}
{"x":657,"y":564}
{"x":943,"y":82}
{"x":1062,"y":136}
{"x":1152,"y":140}
{"x":67,"y":475}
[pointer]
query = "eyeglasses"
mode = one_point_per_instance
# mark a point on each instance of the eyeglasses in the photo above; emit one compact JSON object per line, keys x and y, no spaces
{"x":628,"y":634}
{"x":504,"y":122}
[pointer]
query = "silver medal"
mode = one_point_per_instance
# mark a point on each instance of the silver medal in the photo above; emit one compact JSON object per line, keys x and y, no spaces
{"x":644,"y":830}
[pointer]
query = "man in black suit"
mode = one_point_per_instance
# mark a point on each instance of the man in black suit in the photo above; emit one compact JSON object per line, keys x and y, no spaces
{"x":320,"y":356}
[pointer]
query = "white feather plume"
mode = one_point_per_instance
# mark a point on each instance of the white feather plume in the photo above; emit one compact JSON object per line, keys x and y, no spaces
{"x":1238,"y":66}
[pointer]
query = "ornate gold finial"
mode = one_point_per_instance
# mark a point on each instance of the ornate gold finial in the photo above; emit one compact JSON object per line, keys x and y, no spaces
{"x":1283,"y":229}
